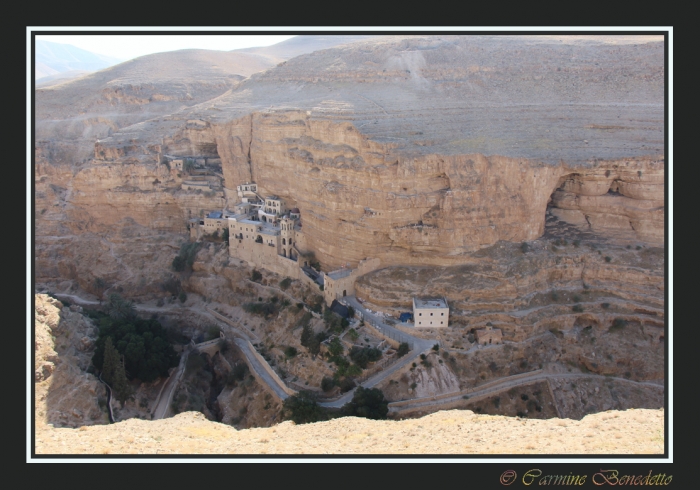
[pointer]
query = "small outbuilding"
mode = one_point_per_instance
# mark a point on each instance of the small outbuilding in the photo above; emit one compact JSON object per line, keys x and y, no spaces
{"x":489,"y":335}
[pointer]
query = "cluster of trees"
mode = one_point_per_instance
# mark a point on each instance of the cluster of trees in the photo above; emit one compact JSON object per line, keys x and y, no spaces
{"x":142,"y":346}
{"x":364,"y":355}
{"x":185,"y":258}
{"x":303,"y":408}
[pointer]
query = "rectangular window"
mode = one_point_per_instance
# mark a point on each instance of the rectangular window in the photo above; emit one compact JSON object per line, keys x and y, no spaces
{"x":420,"y":314}
{"x":431,"y":314}
{"x":442,"y":314}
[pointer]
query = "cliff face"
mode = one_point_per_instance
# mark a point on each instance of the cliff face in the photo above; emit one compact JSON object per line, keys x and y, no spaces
{"x":415,"y":150}
{"x":360,"y":198}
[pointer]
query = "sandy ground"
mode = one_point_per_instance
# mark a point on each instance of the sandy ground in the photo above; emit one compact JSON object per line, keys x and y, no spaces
{"x":446,"y":432}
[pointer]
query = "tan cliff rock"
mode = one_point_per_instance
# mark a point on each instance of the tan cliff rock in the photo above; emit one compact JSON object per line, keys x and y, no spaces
{"x":448,"y":432}
{"x":434,"y":151}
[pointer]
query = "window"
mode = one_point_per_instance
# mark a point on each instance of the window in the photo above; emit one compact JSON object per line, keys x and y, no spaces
{"x":441,"y":323}
{"x":431,"y":314}
{"x":442,"y":314}
{"x":420,"y":314}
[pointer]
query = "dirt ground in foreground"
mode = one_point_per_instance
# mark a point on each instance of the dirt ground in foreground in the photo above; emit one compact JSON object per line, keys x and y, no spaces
{"x":447,"y":432}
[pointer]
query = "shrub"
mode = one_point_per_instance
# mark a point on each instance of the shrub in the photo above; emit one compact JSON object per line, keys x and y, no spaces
{"x":364,"y":355}
{"x":608,"y":258}
{"x":403,"y":349}
{"x":577,"y":308}
{"x":368,"y":403}
{"x":285,"y":283}
{"x":185,"y":258}
{"x":262,"y":309}
{"x":327,"y":384}
{"x":605,"y":305}
{"x":525,"y":247}
{"x":290,"y":352}
{"x":352,"y":333}
{"x":300,"y":305}
{"x":303,"y":409}
{"x":347,"y":384}
{"x":255,"y":276}
{"x":577,"y":298}
{"x":436,"y":347}
{"x":213,"y":332}
{"x":182,"y":296}
{"x":618,"y":324}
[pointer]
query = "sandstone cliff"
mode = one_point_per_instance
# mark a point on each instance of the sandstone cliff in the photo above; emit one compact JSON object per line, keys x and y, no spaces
{"x":466,"y":166}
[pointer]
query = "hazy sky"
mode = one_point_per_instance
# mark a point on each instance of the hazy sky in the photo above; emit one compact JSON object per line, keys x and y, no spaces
{"x":125,"y":47}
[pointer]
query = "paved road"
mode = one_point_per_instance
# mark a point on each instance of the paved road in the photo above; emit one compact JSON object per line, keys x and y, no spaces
{"x":418,"y":347}
{"x":166,"y":396}
{"x":505,"y":384}
{"x":254,"y":363}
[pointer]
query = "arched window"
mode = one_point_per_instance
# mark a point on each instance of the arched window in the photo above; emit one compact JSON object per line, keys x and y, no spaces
{"x":284,"y":242}
{"x":284,"y":252}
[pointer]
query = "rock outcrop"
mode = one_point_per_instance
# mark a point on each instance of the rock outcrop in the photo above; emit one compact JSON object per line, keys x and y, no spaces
{"x":448,"y":432}
{"x":65,"y":394}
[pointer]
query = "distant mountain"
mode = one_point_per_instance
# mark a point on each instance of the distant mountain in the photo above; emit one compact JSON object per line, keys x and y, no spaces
{"x":302,"y":45}
{"x":56,"y":78}
{"x":52,"y":58}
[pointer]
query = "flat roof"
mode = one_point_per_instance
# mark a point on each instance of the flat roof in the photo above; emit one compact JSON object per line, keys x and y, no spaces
{"x":430,"y":302}
{"x":214,"y":214}
{"x":339,"y":274}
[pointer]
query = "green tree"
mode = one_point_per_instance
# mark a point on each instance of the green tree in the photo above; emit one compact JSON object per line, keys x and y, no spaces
{"x":119,"y":308}
{"x":188,"y":164}
{"x":113,"y":372}
{"x":335,"y":347}
{"x":255,"y":275}
{"x":309,"y":340}
{"x":403,"y":349}
{"x":368,"y":403}
{"x":303,"y":409}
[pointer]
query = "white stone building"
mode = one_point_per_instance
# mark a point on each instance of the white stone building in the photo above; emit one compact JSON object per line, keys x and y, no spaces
{"x":430,"y":313}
